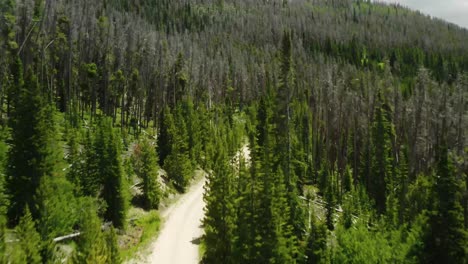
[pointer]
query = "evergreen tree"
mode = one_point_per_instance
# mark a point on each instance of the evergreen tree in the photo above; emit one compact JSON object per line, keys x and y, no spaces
{"x":35,"y":152}
{"x":284,"y":135}
{"x":91,"y":244}
{"x":177,"y":164}
{"x":89,"y":178}
{"x":166,"y":124}
{"x":245,"y":226}
{"x":3,"y":197}
{"x":74,"y":158}
{"x":110,"y":169}
{"x":316,"y":250}
{"x":112,"y":247}
{"x":446,"y":239}
{"x":58,"y":209}
{"x":149,"y":174}
{"x":383,"y":174}
{"x":29,"y":239}
{"x":219,"y":217}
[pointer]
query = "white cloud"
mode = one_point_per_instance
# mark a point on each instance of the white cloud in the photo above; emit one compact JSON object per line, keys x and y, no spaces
{"x":455,"y":11}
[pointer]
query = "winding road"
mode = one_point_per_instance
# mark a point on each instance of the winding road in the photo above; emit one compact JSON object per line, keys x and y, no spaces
{"x":178,"y":240}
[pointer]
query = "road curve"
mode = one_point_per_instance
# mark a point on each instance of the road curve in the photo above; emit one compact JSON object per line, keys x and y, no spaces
{"x":178,"y":239}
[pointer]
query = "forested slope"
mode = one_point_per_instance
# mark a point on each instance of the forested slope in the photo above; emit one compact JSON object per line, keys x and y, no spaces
{"x":361,"y":105}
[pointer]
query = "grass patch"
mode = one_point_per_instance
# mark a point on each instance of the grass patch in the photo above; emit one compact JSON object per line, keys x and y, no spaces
{"x":143,"y":227}
{"x":201,"y":249}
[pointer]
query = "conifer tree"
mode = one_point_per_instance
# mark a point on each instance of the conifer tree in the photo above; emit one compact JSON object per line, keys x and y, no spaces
{"x":29,"y":239}
{"x":245,"y":226}
{"x":219,"y":217}
{"x":177,"y":164}
{"x":263,"y":160}
{"x":90,"y":180}
{"x":35,"y":152}
{"x":57,"y":208}
{"x":284,"y":136}
{"x":74,"y":159}
{"x":149,"y":175}
{"x":446,"y":239}
{"x":110,"y":170}
{"x":316,"y":243}
{"x":112,"y":247}
{"x":90,"y":245}
{"x":3,"y":197}
{"x":166,"y":124}
{"x":383,"y":174}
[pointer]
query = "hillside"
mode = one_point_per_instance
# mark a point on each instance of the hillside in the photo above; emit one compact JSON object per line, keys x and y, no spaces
{"x":354,"y":113}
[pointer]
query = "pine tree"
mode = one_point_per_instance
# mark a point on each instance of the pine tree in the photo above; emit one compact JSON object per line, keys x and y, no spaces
{"x":383,"y":174}
{"x":29,"y":239}
{"x":89,"y":177}
{"x":3,"y":197}
{"x":114,"y":191}
{"x":166,"y":124}
{"x":90,"y":245}
{"x":245,"y":227}
{"x":219,"y":217}
{"x":177,"y":164}
{"x":112,"y":247}
{"x":263,"y":160}
{"x":446,"y":240}
{"x":284,"y":136}
{"x":57,"y":208}
{"x":35,"y":152}
{"x":149,"y":174}
{"x":74,"y":159}
{"x":316,"y":243}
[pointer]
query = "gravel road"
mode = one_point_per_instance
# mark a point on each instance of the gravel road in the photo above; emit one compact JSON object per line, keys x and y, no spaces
{"x":178,"y":239}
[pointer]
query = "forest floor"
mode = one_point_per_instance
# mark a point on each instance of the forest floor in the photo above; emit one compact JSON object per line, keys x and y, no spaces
{"x":181,"y":232}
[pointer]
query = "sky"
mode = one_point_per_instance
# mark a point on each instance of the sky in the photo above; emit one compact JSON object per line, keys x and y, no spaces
{"x":455,"y":11}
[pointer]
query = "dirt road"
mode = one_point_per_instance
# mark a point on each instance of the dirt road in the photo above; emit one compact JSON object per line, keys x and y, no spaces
{"x":178,"y":240}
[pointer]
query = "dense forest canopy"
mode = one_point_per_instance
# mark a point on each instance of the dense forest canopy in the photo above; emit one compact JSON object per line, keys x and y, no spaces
{"x":355,"y":115}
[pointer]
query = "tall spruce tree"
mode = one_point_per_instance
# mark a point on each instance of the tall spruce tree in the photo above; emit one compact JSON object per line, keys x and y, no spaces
{"x":3,"y":197}
{"x":219,"y":217}
{"x":166,"y":124}
{"x":284,"y":138}
{"x":29,"y":239}
{"x":110,"y":170}
{"x":316,"y":243}
{"x":112,"y":247}
{"x":35,"y":152}
{"x":177,"y":164}
{"x":90,"y":245}
{"x":149,"y":174}
{"x":446,"y":239}
{"x":382,"y":174}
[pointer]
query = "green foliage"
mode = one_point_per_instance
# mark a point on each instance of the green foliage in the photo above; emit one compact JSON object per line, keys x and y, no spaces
{"x":316,"y":251}
{"x":114,"y":187}
{"x":446,"y":239}
{"x":219,"y":216}
{"x":382,"y":171}
{"x":57,"y":207}
{"x":112,"y":246}
{"x":3,"y":197}
{"x":35,"y":151}
{"x":29,"y":240}
{"x":177,"y":163}
{"x":149,"y":223}
{"x":361,"y":245}
{"x":147,"y":170}
{"x":166,"y":124}
{"x":91,"y":244}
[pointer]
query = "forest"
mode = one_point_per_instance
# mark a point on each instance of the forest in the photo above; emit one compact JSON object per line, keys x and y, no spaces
{"x":354,"y":114}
